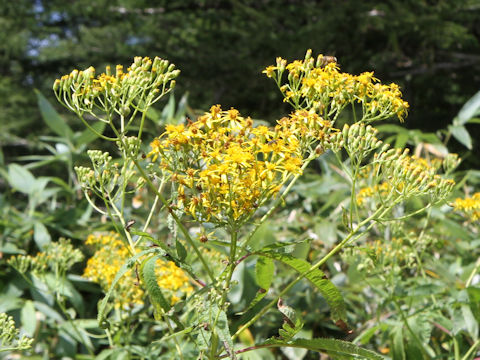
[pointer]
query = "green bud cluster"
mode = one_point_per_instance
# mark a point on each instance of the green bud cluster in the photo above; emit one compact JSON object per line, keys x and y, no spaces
{"x":451,"y":162}
{"x":130,"y":145}
{"x":359,"y":140}
{"x":104,"y":175}
{"x":121,"y":94}
{"x":9,"y":339}
{"x":56,"y":256}
{"x":404,"y":176}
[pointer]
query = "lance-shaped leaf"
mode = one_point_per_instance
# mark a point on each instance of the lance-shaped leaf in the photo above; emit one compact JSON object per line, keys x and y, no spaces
{"x":154,"y":292}
{"x":329,"y":291}
{"x":123,"y":270}
{"x":330,"y":346}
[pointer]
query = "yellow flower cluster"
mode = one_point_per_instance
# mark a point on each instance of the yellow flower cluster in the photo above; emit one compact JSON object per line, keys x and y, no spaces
{"x":470,"y":206}
{"x":320,"y":85}
{"x":380,"y":190}
{"x":144,"y":83}
{"x":111,"y":254}
{"x":224,"y":167}
{"x":307,"y":126}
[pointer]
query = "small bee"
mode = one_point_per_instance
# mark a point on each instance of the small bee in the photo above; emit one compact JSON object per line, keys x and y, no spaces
{"x":323,"y":60}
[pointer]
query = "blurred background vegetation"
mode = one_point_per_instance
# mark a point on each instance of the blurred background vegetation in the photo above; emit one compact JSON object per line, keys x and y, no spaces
{"x":430,"y":47}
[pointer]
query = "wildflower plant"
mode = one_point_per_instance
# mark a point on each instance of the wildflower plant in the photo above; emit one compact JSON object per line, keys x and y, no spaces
{"x":225,"y":176}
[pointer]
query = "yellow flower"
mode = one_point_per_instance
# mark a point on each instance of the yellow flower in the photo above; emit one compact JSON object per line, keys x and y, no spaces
{"x":470,"y":206}
{"x":320,"y":85}
{"x":111,"y":254}
{"x":223,"y":163}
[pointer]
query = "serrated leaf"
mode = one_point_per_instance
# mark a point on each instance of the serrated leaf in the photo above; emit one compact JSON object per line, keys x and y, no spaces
{"x":469,"y":109}
{"x":224,"y":332}
{"x":154,"y":292}
{"x":323,"y":345}
{"x":123,"y":270}
{"x":460,"y":133}
{"x":329,"y":291}
{"x":51,"y":117}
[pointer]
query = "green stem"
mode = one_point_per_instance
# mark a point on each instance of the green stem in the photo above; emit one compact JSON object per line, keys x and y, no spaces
{"x":95,"y":131}
{"x":142,"y":120}
{"x":152,"y":209}
{"x":471,"y":350}
{"x":276,"y":203}
{"x":456,"y":350}
{"x":231,"y":268}
{"x":382,"y":211}
{"x":472,"y":274}
{"x":423,"y":348}
{"x":177,"y":345}
{"x":183,"y":229}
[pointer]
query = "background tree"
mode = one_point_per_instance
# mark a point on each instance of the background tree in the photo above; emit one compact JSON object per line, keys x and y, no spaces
{"x":430,"y":47}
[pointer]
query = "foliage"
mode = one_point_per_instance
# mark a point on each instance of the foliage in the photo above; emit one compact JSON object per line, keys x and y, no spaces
{"x":229,"y":216}
{"x":429,"y":47}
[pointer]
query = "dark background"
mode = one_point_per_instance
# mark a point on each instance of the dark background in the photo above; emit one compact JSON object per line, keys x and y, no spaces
{"x":431,"y":48}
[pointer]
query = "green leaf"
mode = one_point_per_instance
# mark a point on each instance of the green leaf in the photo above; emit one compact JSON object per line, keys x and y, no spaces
{"x":20,"y":178}
{"x":182,"y":107}
{"x":330,"y":345}
{"x":471,"y":324}
{"x":155,"y":293}
{"x":181,"y":251}
{"x":398,"y":349}
{"x":401,"y":140}
{"x":53,"y":120}
{"x":469,"y":109}
{"x":41,"y":235}
{"x":123,"y":270}
{"x":264,"y":235}
{"x":460,"y":133}
{"x":87,"y":135}
{"x":223,"y":331}
{"x":331,"y":294}
{"x":264,"y":270}
{"x":292,"y":323}
{"x":391,"y":128}
{"x":28,"y":318}
{"x":474,"y":299}
{"x":168,"y":112}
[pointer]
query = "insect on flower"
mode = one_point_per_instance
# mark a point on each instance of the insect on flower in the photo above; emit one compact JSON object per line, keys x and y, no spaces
{"x":323,"y":61}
